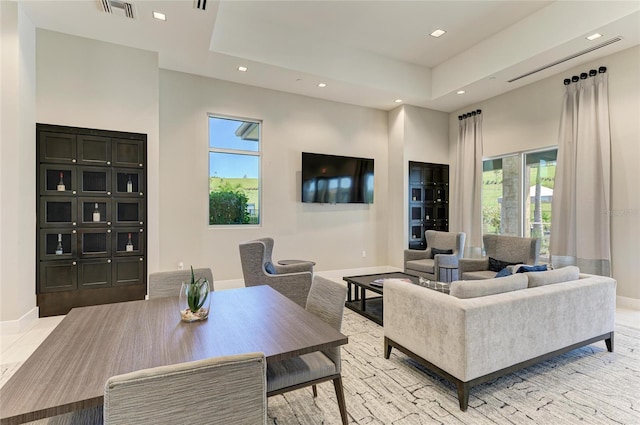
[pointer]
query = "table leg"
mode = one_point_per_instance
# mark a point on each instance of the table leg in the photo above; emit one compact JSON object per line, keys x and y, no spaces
{"x":349,"y":292}
{"x":362,"y":298}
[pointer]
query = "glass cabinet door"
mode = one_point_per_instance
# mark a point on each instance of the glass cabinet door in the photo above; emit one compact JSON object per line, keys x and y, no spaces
{"x":94,"y":212}
{"x":57,"y":180}
{"x":128,"y":182}
{"x":94,"y":243}
{"x":128,"y":241}
{"x":128,"y":212}
{"x":94,"y":181}
{"x":58,"y":244}
{"x":58,"y":211}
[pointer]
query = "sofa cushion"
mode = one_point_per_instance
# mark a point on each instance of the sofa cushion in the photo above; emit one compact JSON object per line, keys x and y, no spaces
{"x":436,"y":251}
{"x":474,"y":289}
{"x":565,"y":274}
{"x":497,"y":265}
{"x":479,"y":275}
{"x":425,"y":265}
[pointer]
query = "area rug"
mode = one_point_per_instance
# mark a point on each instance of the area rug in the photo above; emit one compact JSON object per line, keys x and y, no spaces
{"x":585,"y":386}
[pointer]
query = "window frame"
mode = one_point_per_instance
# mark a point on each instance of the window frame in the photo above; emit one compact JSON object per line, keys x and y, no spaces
{"x":257,"y":153}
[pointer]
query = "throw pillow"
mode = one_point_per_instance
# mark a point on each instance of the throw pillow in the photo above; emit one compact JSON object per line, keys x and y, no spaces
{"x":483,"y":288}
{"x":269,"y":268}
{"x":523,"y":268}
{"x":497,"y":265}
{"x":504,"y":272}
{"x":436,"y":251}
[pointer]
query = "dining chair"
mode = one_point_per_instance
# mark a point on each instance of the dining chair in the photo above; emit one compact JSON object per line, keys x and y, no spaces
{"x":291,"y":280}
{"x":326,"y":300}
{"x":228,"y":390}
{"x":167,"y":284}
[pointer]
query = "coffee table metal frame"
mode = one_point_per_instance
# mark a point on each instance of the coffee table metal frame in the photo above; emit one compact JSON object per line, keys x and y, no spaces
{"x":371,"y":307}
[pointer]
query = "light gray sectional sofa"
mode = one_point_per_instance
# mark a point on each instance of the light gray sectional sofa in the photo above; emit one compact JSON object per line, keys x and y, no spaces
{"x":488,"y":328}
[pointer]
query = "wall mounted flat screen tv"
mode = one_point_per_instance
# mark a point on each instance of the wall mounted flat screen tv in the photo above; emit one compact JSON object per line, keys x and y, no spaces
{"x":331,"y":179}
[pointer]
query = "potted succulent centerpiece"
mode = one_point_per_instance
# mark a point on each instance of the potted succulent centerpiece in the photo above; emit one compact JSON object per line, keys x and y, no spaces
{"x":194,"y":299}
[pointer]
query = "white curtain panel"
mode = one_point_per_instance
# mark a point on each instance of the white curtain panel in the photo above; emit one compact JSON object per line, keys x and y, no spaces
{"x":580,"y":228}
{"x":466,"y":213}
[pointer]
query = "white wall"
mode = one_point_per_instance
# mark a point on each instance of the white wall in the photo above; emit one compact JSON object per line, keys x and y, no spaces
{"x":332,"y":235}
{"x":415,"y":134}
{"x":91,"y":84}
{"x":528,"y":118}
{"x":17,"y":166}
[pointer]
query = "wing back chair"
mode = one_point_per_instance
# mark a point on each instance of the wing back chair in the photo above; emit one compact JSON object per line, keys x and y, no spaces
{"x":501,"y":251}
{"x":427,"y":263}
{"x":292,"y":280}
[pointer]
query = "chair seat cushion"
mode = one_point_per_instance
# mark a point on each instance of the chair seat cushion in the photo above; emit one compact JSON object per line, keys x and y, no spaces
{"x":482,"y":274}
{"x":425,"y":266}
{"x":304,"y":368}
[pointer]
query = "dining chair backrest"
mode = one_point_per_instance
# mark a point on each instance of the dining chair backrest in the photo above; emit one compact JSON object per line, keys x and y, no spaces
{"x":167,"y":284}
{"x":228,"y":390}
{"x":326,"y":300}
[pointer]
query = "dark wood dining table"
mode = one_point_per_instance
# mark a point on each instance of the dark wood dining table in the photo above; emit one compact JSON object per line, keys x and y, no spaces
{"x":68,"y":371}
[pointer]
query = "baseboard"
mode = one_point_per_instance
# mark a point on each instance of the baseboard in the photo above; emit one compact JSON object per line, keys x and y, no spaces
{"x":10,"y":327}
{"x":626,"y":302}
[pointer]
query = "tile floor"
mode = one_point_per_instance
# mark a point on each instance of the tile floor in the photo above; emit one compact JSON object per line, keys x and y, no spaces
{"x":18,"y":347}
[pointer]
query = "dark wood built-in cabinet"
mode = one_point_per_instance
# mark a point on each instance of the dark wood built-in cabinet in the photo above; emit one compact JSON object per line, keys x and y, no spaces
{"x":428,"y":201}
{"x":91,"y":236}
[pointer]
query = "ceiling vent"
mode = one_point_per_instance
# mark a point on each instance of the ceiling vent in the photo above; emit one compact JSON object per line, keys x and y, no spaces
{"x":117,"y":7}
{"x":200,"y":4}
{"x":572,"y":56}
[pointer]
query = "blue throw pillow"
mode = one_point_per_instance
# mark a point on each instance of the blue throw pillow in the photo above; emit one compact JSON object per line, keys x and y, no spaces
{"x":504,"y":272}
{"x":269,"y":268}
{"x":497,"y":265}
{"x":539,"y":268}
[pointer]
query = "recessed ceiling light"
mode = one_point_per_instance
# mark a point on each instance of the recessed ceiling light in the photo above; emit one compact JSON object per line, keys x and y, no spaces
{"x":594,"y":36}
{"x":242,"y":68}
{"x":398,"y":100}
{"x":322,"y":85}
{"x":437,"y":33}
{"x":160,"y":16}
{"x":460,"y":92}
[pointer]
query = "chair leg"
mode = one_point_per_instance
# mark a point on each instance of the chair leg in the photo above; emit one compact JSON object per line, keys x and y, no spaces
{"x":315,"y":391}
{"x":337,"y":383}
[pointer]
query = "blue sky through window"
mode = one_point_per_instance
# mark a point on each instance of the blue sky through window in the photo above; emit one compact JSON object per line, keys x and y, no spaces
{"x":222,"y":135}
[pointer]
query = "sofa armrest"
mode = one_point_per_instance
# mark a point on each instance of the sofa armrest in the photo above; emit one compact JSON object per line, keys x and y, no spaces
{"x":429,"y":323}
{"x":472,"y":265}
{"x":416,"y":254}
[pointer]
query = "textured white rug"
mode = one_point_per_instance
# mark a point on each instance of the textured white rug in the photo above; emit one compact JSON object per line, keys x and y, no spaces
{"x":585,"y":386}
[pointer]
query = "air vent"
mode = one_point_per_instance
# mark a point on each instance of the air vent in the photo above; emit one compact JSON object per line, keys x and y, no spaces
{"x":200,"y":4}
{"x":116,"y":7}
{"x":573,"y":56}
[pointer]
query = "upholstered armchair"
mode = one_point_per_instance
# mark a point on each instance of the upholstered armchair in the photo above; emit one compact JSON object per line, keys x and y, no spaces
{"x":291,"y":280}
{"x":427,"y":263}
{"x":501,"y":251}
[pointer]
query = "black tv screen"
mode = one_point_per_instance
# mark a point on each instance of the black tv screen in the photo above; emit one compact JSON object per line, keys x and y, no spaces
{"x":331,"y":179}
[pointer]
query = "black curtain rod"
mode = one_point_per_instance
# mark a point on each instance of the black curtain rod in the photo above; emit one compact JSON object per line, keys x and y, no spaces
{"x":469,"y":114}
{"x":584,"y":75}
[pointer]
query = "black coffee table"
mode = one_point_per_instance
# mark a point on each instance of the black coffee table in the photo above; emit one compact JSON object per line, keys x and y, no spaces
{"x":371,"y":308}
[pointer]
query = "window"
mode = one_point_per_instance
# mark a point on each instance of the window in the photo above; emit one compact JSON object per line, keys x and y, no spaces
{"x":517,"y":191}
{"x":234,"y":171}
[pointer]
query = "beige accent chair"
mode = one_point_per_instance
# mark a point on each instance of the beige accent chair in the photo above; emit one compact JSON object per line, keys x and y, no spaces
{"x":507,"y":249}
{"x":228,"y":390}
{"x":291,"y":280}
{"x":424,"y":263}
{"x":167,"y":284}
{"x":326,"y":300}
